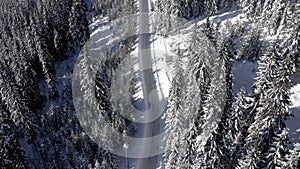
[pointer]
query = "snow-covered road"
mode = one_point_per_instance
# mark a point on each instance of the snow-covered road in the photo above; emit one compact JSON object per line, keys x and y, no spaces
{"x":152,"y":127}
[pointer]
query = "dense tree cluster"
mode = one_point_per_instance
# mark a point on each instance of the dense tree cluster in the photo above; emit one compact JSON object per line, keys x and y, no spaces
{"x":249,"y":130}
{"x":192,"y":8}
{"x":35,"y":34}
{"x":113,"y":9}
{"x":207,"y":126}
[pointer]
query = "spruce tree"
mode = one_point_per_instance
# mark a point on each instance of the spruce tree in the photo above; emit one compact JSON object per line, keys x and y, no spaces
{"x":78,"y":24}
{"x":216,"y":151}
{"x":240,"y":120}
{"x":174,"y":120}
{"x":11,"y":153}
{"x":294,"y":158}
{"x":267,"y":139}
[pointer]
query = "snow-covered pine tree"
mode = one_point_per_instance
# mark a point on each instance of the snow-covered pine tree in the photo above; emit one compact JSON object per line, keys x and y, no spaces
{"x":267,"y":6}
{"x":189,"y":9}
{"x":251,"y":48}
{"x":78,"y":24}
{"x":44,"y":55}
{"x":174,"y":120}
{"x":29,"y":39}
{"x":113,"y":9}
{"x":240,"y":120}
{"x":259,"y":7}
{"x":11,"y":153}
{"x":249,"y":8}
{"x":196,"y":94}
{"x":25,"y":76}
{"x":216,"y":151}
{"x":197,"y":8}
{"x":190,"y":115}
{"x":267,"y":139}
{"x":278,"y":15}
{"x":292,"y":15}
{"x":211,"y":7}
{"x":16,"y":106}
{"x":294,"y":158}
{"x":290,"y":47}
{"x":210,"y":32}
{"x":61,"y":35}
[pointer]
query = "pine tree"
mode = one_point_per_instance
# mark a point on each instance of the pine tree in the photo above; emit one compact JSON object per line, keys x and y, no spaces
{"x":215,"y":152}
{"x":211,"y":7}
{"x":259,"y":8}
{"x":268,"y":5}
{"x":174,"y":119}
{"x":19,"y":111}
{"x":291,"y":48}
{"x":251,"y":49}
{"x":210,"y":32}
{"x":278,"y":15}
{"x":241,"y":119}
{"x":60,"y":22}
{"x":11,"y":153}
{"x":44,"y":56}
{"x":78,"y":24}
{"x":267,"y":139}
{"x":32,"y":41}
{"x":187,"y":9}
{"x":294,"y":158}
{"x":249,"y":8}
{"x":195,"y":96}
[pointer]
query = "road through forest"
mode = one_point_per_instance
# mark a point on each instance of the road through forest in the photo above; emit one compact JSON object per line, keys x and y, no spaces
{"x":149,"y":146}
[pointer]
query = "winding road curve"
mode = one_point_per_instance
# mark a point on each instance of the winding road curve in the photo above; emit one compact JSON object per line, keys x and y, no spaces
{"x":149,"y":88}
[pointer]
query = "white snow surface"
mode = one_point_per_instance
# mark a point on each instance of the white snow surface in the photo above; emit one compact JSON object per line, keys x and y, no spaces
{"x":243,"y":75}
{"x":295,"y":96}
{"x":293,"y":123}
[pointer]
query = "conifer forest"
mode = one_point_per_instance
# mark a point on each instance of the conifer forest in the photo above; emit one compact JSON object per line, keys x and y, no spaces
{"x":150,"y":84}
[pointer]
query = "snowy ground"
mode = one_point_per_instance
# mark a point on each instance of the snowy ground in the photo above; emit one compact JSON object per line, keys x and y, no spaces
{"x":294,"y":123}
{"x":295,"y":97}
{"x":243,"y":75}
